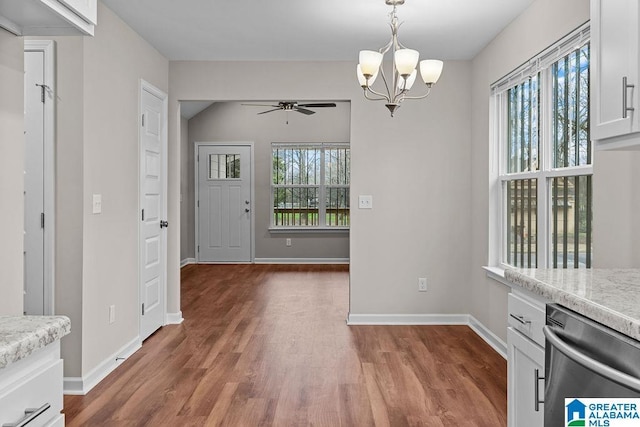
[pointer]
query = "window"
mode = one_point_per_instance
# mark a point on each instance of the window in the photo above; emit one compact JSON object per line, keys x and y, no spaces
{"x":310,"y":186}
{"x":544,"y":191}
{"x":224,"y":166}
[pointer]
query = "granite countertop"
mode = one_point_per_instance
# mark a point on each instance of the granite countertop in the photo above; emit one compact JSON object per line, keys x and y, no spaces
{"x":21,"y":336}
{"x":608,"y":296}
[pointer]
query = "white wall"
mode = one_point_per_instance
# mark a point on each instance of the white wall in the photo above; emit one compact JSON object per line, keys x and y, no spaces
{"x":616,"y":199}
{"x":186,"y":190}
{"x":416,"y":166}
{"x":11,"y":173}
{"x":114,"y":62}
{"x":543,"y":23}
{"x":69,"y":186}
{"x":97,"y":152}
{"x":231,"y":121}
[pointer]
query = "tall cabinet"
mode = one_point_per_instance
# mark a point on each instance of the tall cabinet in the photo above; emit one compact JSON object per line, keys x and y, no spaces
{"x":615,"y":84}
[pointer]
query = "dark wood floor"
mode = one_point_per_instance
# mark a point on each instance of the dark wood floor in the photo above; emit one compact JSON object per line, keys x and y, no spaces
{"x":268,"y":345}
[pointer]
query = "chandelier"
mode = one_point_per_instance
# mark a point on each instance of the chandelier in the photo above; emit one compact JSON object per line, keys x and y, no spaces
{"x":404,"y":69}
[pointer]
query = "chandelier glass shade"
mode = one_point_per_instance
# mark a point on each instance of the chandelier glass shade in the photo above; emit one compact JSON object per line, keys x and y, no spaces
{"x":403,"y":75}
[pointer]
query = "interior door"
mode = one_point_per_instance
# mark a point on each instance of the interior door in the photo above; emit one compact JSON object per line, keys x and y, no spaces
{"x":224,"y":203}
{"x":34,"y":185}
{"x":153,"y":184}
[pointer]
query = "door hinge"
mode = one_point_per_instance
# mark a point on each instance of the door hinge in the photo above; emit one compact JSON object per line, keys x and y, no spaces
{"x":143,"y":214}
{"x":198,"y":203}
{"x":143,"y":120}
{"x":198,"y":248}
{"x":42,"y":220}
{"x":143,"y":309}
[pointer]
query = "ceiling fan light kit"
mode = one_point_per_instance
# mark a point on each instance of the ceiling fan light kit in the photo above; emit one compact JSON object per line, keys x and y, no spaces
{"x":404,"y":70}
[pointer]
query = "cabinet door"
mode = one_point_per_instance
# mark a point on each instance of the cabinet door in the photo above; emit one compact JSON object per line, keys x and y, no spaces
{"x":614,"y":40}
{"x":525,"y":361}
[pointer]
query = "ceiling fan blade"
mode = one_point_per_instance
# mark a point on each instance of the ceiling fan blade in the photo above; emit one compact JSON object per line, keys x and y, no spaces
{"x":269,"y":111}
{"x":261,"y":105}
{"x":324,"y":104}
{"x":304,"y":111}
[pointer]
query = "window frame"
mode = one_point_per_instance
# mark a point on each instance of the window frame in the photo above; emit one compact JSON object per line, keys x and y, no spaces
{"x":499,"y":162}
{"x":322,"y":187}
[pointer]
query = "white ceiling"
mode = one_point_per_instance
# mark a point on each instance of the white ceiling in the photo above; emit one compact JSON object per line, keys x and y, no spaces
{"x":322,"y":30}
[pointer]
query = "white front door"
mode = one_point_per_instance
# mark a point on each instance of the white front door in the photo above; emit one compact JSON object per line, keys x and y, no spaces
{"x":34,"y":184}
{"x":224,"y":203}
{"x":153,"y":184}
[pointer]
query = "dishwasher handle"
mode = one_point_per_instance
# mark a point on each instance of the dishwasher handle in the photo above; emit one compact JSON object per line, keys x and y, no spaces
{"x":590,"y":363}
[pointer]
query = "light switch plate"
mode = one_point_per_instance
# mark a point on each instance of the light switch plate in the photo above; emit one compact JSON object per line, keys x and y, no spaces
{"x":365,"y":202}
{"x":97,"y":203}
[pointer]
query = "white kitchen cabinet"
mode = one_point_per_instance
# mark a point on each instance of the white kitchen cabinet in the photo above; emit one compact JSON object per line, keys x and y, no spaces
{"x":48,"y":17}
{"x":32,"y":387}
{"x":615,"y":84}
{"x":525,"y":361}
{"x":526,"y":364}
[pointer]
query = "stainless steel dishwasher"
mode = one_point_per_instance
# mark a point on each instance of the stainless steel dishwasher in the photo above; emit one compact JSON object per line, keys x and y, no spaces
{"x":585,"y":359}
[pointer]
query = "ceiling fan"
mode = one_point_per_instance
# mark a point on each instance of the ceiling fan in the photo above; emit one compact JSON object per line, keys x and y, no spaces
{"x":293,"y":106}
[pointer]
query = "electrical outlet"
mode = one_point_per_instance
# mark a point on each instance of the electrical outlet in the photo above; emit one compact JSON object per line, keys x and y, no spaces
{"x":422,"y":284}
{"x":112,"y":313}
{"x":288,"y":242}
{"x":365,"y":202}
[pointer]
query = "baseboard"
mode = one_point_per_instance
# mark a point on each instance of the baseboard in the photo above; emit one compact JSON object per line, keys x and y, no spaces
{"x":301,"y":261}
{"x":187,"y":261}
{"x":432,"y":319}
{"x":174,"y":318}
{"x":490,"y":338}
{"x":82,"y":385}
{"x":408,"y":319}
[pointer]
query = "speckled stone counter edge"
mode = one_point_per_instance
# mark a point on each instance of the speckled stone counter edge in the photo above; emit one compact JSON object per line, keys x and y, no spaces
{"x":602,"y":314}
{"x":21,"y":336}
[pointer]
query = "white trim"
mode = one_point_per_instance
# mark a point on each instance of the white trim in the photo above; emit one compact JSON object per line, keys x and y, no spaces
{"x":497,"y":274}
{"x":197,"y":146}
{"x":309,"y":230}
{"x":187,"y":261}
{"x":82,"y":385}
{"x":48,"y":48}
{"x":407,"y":319}
{"x":432,"y":319}
{"x":148,"y":87}
{"x":174,"y":318}
{"x":69,"y":15}
{"x":544,"y":58}
{"x":301,"y":261}
{"x":10,"y":26}
{"x":489,"y":337}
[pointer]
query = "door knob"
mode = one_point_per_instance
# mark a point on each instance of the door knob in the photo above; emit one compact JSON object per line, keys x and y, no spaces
{"x":164,"y":224}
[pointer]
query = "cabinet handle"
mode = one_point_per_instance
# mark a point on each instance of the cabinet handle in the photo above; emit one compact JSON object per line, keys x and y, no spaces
{"x":520,"y":318}
{"x":536,"y":390}
{"x":30,"y":414}
{"x":625,"y":88}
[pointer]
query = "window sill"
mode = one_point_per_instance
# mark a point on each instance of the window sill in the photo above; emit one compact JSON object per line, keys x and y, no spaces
{"x":310,"y":230}
{"x":497,"y":274}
